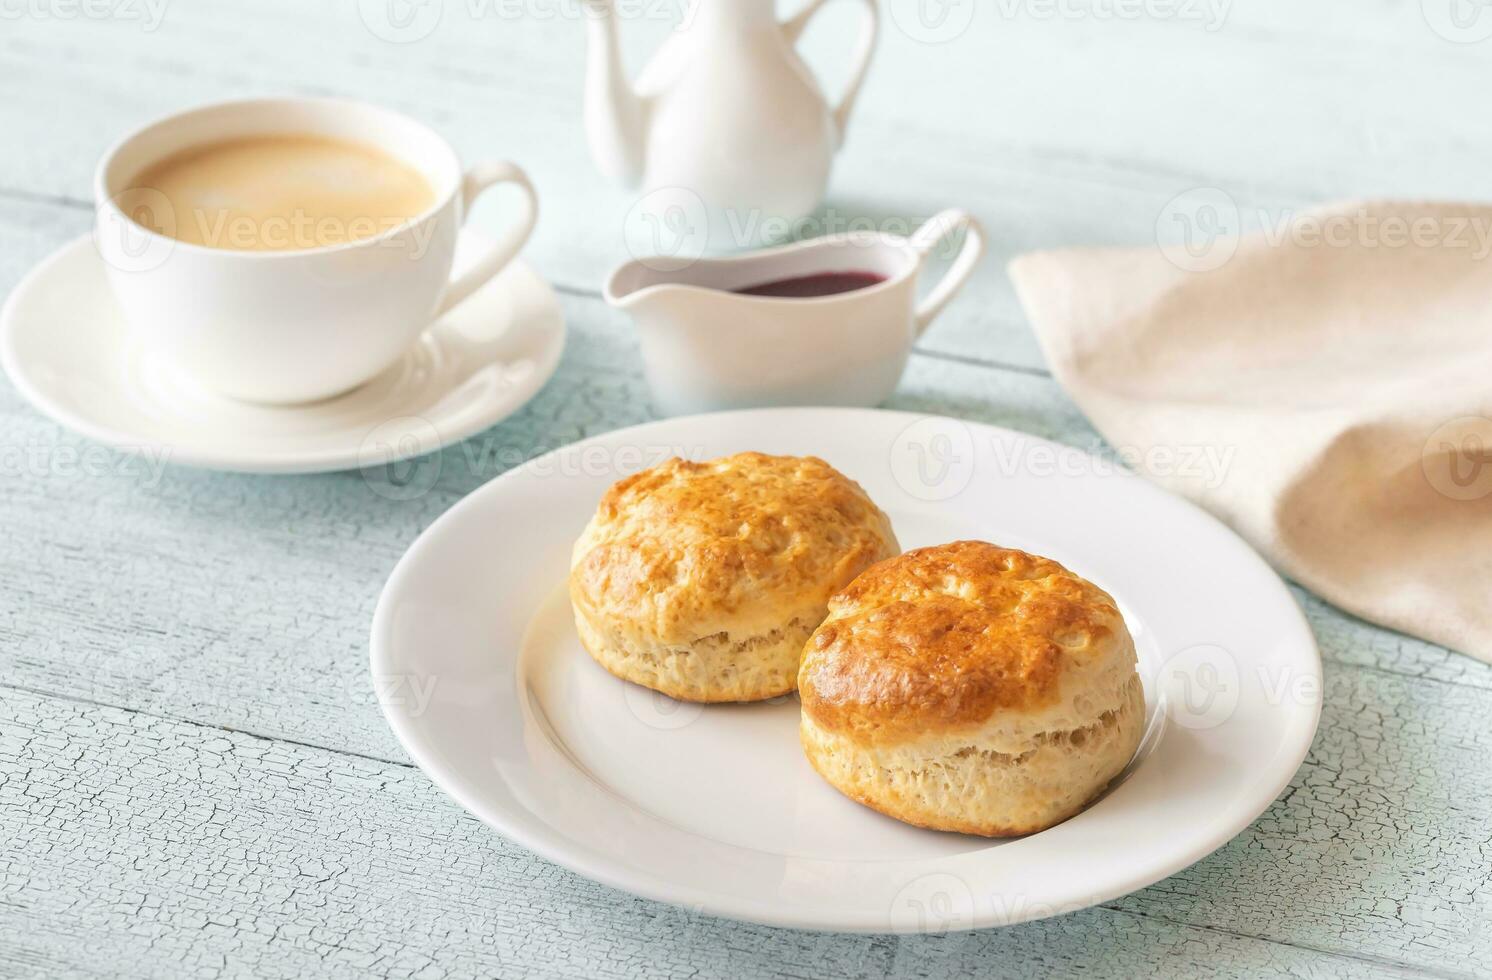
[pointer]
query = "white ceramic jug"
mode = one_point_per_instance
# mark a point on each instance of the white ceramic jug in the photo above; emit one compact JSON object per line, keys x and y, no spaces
{"x":726,"y":112}
{"x":708,"y":346}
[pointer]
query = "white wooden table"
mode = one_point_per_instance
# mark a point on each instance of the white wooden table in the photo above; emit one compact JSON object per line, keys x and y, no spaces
{"x":194,"y":779}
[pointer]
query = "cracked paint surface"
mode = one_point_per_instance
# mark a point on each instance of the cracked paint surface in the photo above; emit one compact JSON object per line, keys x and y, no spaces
{"x":195,"y":779}
{"x":182,"y":851}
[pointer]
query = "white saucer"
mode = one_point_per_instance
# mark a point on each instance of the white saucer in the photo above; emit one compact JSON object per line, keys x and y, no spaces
{"x":480,"y":674}
{"x":66,"y":348}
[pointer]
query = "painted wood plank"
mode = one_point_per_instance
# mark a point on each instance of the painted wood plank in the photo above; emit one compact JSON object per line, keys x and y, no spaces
{"x":148,"y":848}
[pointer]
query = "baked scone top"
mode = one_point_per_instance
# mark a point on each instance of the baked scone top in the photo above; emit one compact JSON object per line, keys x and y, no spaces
{"x":939,"y":639}
{"x":742,"y":543}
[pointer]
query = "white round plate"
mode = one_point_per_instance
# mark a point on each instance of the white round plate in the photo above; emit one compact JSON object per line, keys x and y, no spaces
{"x":67,"y":349}
{"x":480,"y":674}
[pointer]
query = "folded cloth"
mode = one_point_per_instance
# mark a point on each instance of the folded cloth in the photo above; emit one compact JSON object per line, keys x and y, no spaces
{"x":1336,"y":371}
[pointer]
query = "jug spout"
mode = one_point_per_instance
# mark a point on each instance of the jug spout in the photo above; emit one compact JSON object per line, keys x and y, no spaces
{"x":640,"y":286}
{"x":614,"y":112}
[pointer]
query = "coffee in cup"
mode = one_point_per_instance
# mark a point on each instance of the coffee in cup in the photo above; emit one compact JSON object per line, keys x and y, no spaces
{"x":278,"y":193}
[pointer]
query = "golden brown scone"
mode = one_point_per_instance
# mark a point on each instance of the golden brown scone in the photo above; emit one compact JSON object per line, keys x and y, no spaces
{"x":972,"y":688}
{"x":704,"y":580}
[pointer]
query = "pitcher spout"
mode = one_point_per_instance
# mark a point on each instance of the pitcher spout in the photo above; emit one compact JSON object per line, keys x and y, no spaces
{"x":637,"y":285}
{"x":614,"y":112}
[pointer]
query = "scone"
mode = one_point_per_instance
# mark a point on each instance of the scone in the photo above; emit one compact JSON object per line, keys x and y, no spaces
{"x":704,"y":580}
{"x":971,"y":688}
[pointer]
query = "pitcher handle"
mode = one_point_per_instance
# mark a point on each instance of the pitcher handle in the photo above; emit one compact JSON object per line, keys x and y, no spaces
{"x":935,"y":230}
{"x":870,"y":29}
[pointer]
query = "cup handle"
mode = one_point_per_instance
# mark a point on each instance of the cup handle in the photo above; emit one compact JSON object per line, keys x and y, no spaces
{"x":478,"y":179}
{"x":937,"y":229}
{"x":792,"y":29}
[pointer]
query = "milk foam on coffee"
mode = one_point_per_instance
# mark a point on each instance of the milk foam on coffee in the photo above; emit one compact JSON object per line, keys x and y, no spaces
{"x":277,"y":193}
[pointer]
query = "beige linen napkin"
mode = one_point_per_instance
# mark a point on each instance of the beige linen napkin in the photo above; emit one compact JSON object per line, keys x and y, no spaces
{"x":1330,"y":382}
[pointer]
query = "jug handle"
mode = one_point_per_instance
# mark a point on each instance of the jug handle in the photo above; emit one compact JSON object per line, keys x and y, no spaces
{"x":937,"y":229}
{"x":792,"y":29}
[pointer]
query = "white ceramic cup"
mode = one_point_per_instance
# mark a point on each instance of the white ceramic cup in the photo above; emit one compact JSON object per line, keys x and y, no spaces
{"x":294,"y":326}
{"x":706,"y":347}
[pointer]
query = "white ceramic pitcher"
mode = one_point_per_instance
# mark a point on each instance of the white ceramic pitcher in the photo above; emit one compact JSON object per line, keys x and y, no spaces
{"x":707,"y":346}
{"x":725,"y":111}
